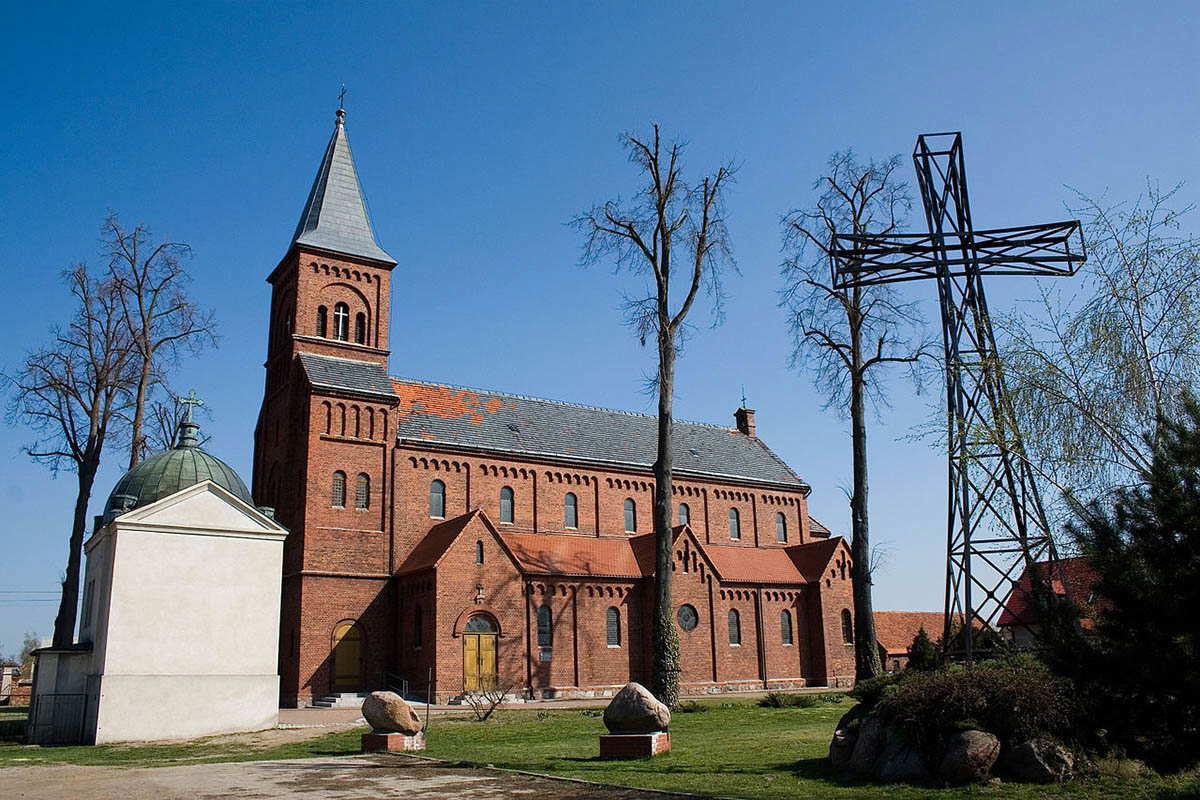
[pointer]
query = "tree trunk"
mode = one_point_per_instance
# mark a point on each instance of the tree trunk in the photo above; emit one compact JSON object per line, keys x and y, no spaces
{"x":64,"y":622}
{"x":665,"y":675}
{"x":866,"y":659}
{"x":139,"y":414}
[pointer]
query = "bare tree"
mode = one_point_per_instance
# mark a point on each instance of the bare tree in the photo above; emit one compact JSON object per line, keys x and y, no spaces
{"x":163,"y":415}
{"x":72,"y":393}
{"x":845,"y":337}
{"x":641,"y":236}
{"x":1090,"y":373}
{"x":484,"y":702}
{"x":155,"y":307}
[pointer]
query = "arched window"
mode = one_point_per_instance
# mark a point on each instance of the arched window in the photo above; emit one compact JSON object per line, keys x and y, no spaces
{"x":735,"y":627}
{"x":362,"y":492}
{"x":570,"y":511}
{"x":785,"y":626}
{"x":506,"y":504}
{"x":322,"y":321}
{"x":630,"y":515}
{"x":338,"y":493}
{"x":481,"y":623}
{"x":341,"y":322}
{"x":360,"y":328}
{"x":545,"y":627}
{"x":780,"y":527}
{"x":735,"y":524}
{"x":685,"y":514}
{"x":612,"y":623}
{"x":437,"y":499}
{"x":479,"y":551}
{"x":847,"y":627}
{"x":418,"y":627}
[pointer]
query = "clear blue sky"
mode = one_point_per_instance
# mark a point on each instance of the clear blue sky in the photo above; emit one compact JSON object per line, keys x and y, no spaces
{"x":479,"y":129}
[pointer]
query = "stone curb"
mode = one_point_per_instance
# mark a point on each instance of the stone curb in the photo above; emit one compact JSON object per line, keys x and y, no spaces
{"x":598,"y":784}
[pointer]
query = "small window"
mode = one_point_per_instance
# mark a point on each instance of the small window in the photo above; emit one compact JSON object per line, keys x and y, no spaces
{"x":688,"y":618}
{"x":613,"y":624}
{"x":362,"y":492}
{"x":479,"y":551}
{"x":545,"y":627}
{"x":780,"y":527}
{"x":735,"y":524}
{"x":360,"y":328}
{"x":506,"y":504}
{"x":341,"y":322}
{"x":437,"y":499}
{"x":481,"y":623}
{"x":685,"y":514}
{"x":418,"y":627}
{"x":735,"y":627}
{"x":338,"y":493}
{"x":89,"y":592}
{"x":630,"y":515}
{"x":785,"y":626}
{"x":570,"y":511}
{"x":322,"y":321}
{"x":847,"y":627}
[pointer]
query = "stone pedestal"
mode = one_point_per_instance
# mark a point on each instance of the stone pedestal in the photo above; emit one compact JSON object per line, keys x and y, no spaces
{"x":383,"y":742}
{"x":634,"y":745}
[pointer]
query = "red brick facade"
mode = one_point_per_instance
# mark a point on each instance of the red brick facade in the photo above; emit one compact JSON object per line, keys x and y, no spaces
{"x":410,"y":581}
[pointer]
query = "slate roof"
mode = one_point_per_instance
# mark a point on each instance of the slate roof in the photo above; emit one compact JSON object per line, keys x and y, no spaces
{"x":507,"y":423}
{"x":328,"y":372}
{"x":335,"y":214}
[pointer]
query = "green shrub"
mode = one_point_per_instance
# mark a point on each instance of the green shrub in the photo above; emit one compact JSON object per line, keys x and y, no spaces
{"x":788,"y":700}
{"x":833,"y":698}
{"x":870,"y":692}
{"x":1013,"y":698}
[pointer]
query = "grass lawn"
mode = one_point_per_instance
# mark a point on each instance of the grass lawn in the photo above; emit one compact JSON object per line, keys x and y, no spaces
{"x":734,"y":749}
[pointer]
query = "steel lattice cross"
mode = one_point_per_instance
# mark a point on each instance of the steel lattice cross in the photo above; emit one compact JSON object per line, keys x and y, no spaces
{"x":996,"y":524}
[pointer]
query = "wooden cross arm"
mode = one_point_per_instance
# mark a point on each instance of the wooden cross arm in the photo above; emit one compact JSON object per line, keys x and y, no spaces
{"x":1053,"y":249}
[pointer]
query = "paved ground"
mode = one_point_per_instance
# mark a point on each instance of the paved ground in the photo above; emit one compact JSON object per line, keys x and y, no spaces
{"x":344,"y":778}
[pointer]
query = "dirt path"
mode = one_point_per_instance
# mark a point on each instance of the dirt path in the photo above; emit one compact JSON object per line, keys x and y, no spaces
{"x":344,"y":778}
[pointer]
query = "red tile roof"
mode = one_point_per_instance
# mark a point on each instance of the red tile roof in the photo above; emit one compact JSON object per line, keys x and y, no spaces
{"x":895,"y":630}
{"x":591,"y":556}
{"x":430,"y":549}
{"x":753,"y":565}
{"x":813,"y":559}
{"x":1081,"y":579}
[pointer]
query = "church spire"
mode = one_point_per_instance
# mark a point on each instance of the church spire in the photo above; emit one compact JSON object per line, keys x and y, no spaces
{"x":335,"y":215}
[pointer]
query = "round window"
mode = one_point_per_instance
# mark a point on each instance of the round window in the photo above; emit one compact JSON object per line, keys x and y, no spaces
{"x":688,"y":618}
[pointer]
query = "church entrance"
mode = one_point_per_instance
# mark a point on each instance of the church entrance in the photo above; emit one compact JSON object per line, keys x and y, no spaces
{"x":479,"y":654}
{"x":347,"y":657}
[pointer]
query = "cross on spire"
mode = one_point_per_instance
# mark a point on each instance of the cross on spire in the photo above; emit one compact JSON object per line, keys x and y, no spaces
{"x":188,"y":402}
{"x":342,"y":98}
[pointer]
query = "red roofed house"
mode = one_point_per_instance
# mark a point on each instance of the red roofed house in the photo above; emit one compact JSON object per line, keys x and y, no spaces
{"x":1018,"y":621}
{"x":895,"y":631}
{"x":477,"y":537}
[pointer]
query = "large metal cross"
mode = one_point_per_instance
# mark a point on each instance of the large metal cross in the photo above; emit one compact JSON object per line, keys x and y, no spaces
{"x":996,"y":525}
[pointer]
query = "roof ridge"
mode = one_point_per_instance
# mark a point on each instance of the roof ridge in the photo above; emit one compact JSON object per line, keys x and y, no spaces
{"x":566,"y":403}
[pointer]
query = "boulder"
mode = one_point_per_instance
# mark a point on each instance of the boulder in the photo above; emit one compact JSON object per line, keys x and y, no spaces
{"x":969,"y":757}
{"x":867,"y":746}
{"x":635,"y":710}
{"x":900,"y":761}
{"x":387,"y":712}
{"x":845,"y":735}
{"x":1038,"y":760}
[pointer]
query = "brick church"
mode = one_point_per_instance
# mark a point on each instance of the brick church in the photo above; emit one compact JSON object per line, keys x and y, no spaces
{"x":484,"y":538}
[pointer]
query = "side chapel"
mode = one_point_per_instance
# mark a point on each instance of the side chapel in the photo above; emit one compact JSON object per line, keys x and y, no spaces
{"x":482,"y":538}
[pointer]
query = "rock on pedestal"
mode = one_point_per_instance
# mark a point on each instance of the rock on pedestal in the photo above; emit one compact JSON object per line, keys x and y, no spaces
{"x":637,"y":724}
{"x":376,"y":742}
{"x":387,"y":712}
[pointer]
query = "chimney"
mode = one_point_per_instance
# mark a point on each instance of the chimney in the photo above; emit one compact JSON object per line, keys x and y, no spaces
{"x":745,"y":421}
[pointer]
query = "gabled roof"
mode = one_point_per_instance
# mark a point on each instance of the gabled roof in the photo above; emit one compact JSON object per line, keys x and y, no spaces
{"x":813,"y":558}
{"x":433,"y":547}
{"x":335,"y":215}
{"x":895,"y":630}
{"x":433,"y":414}
{"x":1081,"y":578}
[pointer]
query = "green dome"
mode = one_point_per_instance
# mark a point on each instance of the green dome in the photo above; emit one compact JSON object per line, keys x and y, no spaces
{"x":166,"y":473}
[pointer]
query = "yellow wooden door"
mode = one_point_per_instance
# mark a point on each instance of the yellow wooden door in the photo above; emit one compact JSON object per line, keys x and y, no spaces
{"x":471,"y":662}
{"x":347,"y":656}
{"x":479,"y":661}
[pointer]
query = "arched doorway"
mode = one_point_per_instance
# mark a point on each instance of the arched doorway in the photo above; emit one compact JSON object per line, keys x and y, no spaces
{"x":479,"y":653}
{"x":347,"y":656}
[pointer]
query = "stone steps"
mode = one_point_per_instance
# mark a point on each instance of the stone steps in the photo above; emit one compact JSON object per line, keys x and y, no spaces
{"x":340,"y":700}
